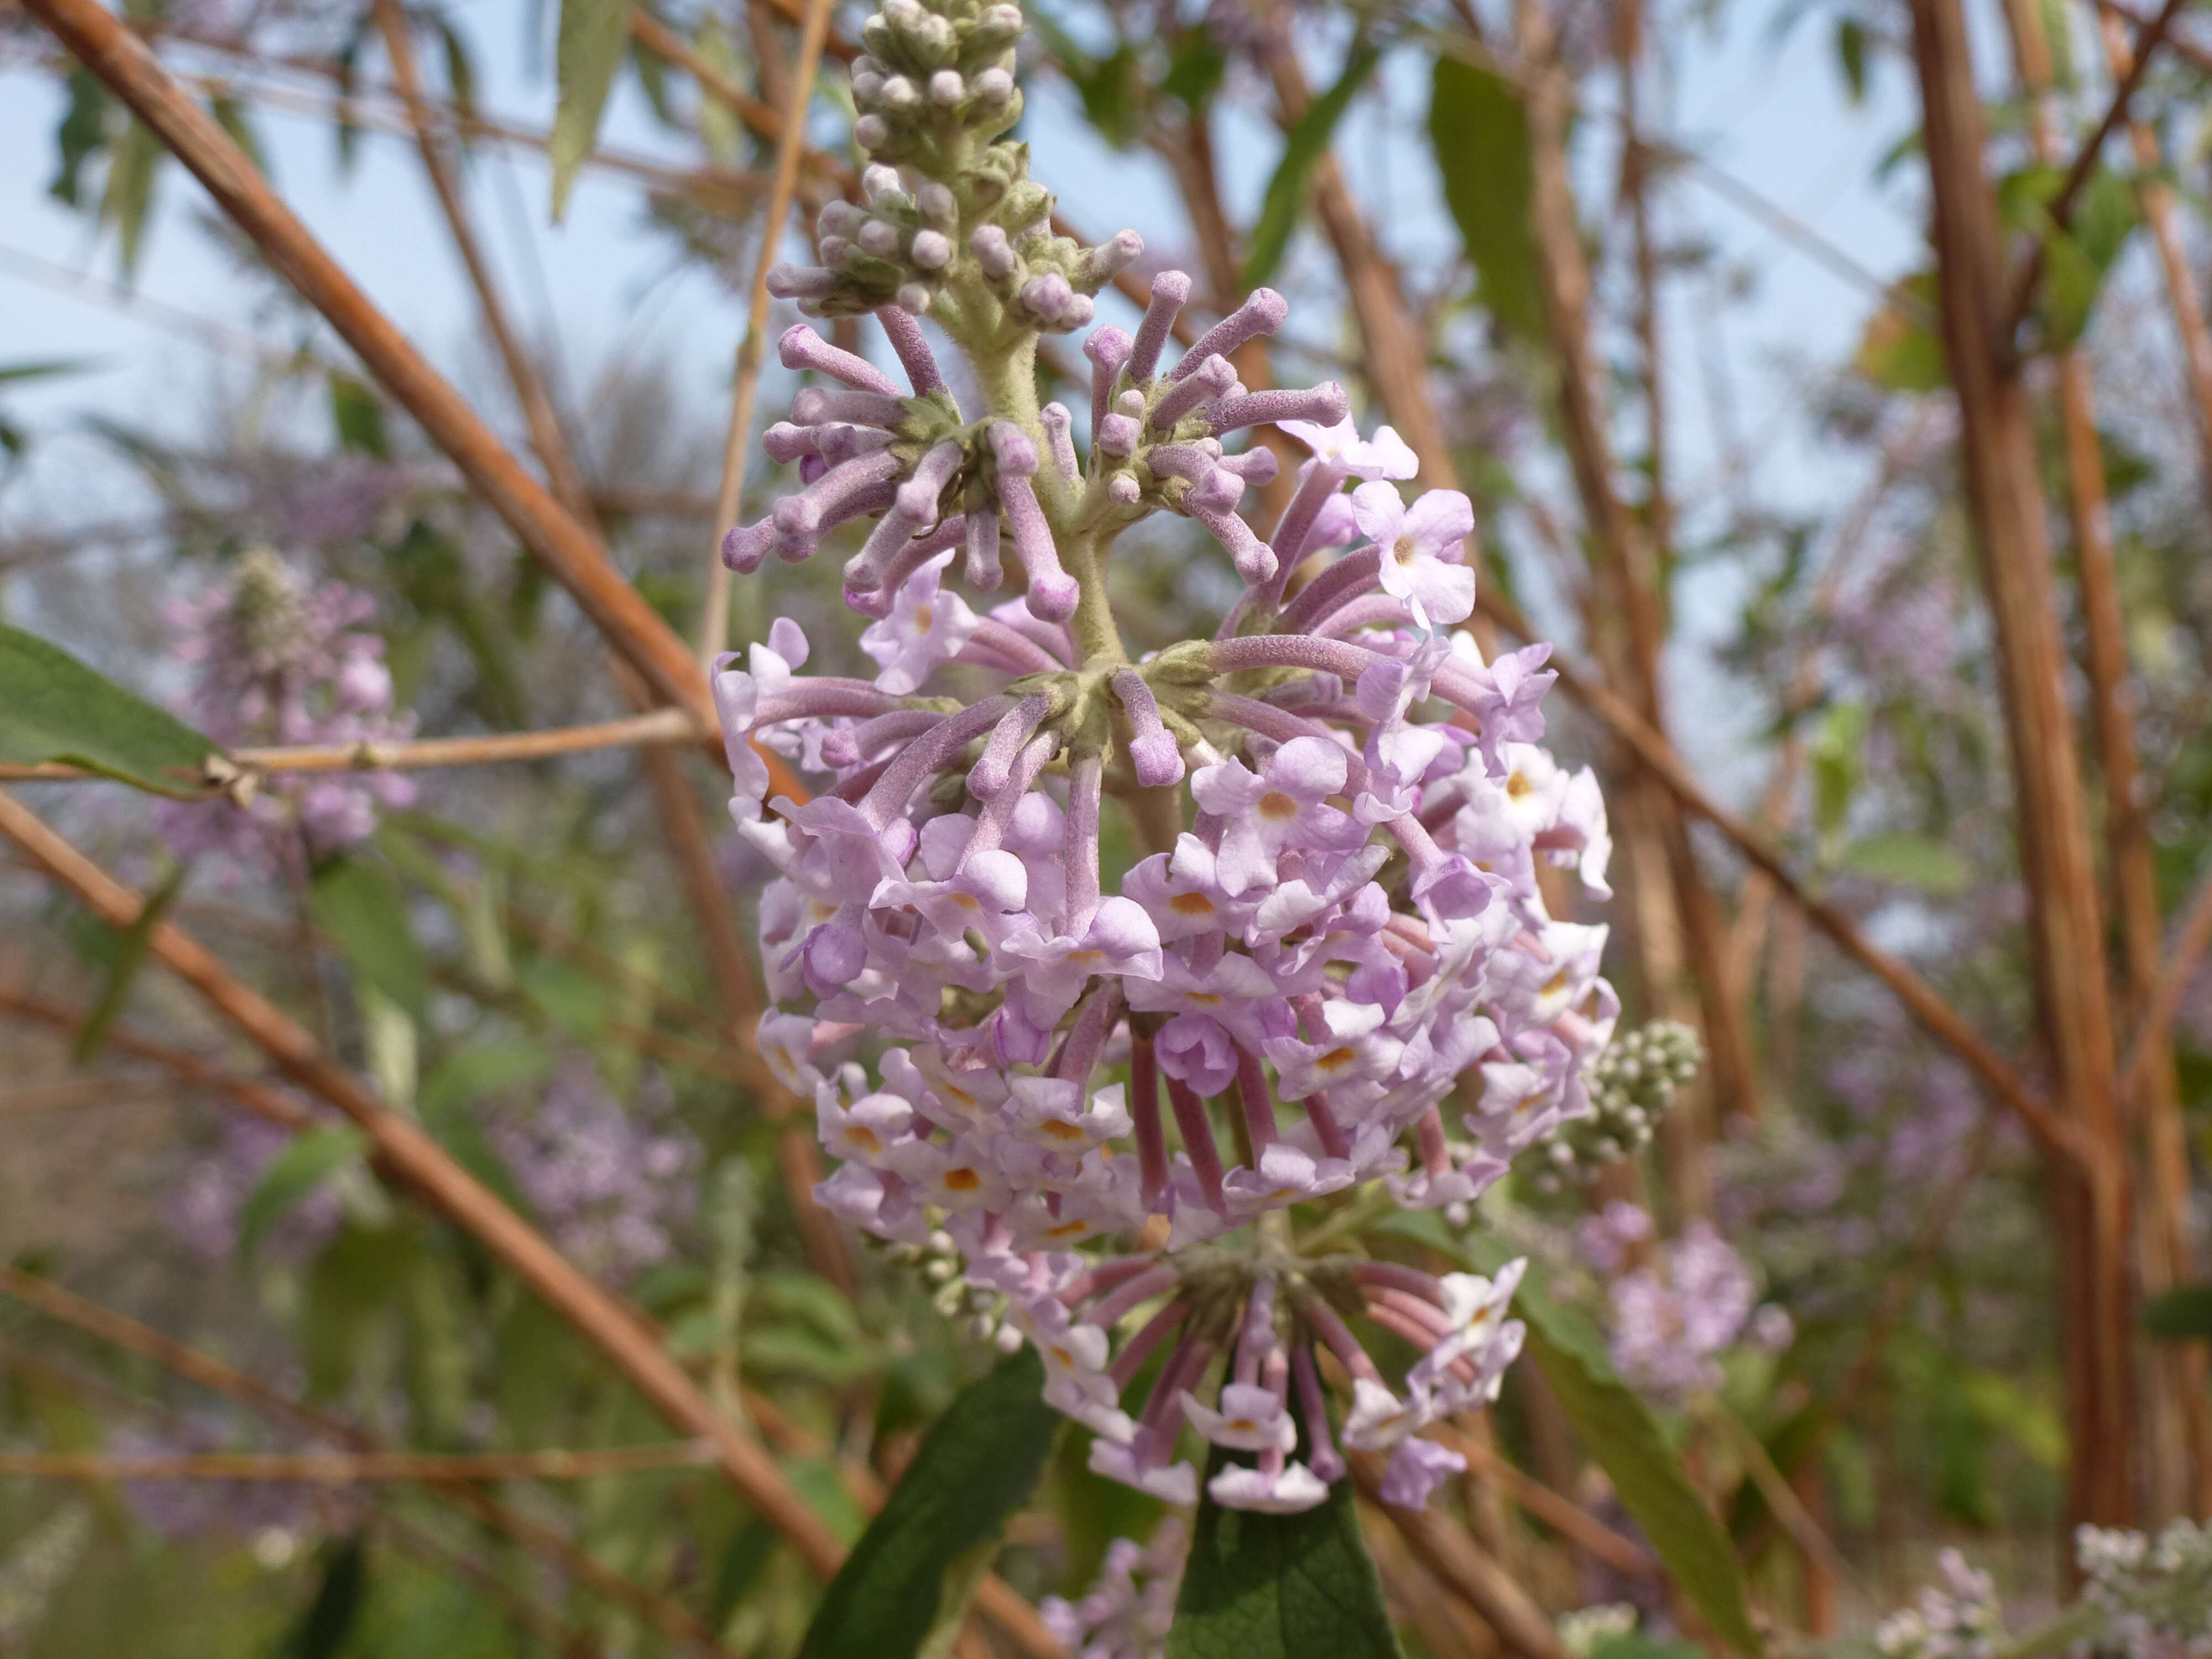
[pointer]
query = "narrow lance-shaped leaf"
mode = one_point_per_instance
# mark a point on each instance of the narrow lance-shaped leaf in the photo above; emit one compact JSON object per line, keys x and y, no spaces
{"x":359,"y":903}
{"x":1617,"y":1430}
{"x":1280,"y":1586}
{"x":123,"y":969}
{"x":306,"y":1164}
{"x":52,"y":708}
{"x":593,"y":38}
{"x":1304,"y":146}
{"x":910,"y":1576}
{"x":1479,"y":132}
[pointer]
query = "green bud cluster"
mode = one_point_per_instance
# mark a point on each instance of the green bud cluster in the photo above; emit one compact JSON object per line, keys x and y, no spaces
{"x":1631,"y":1086}
{"x":947,"y":196}
{"x":980,"y":1311}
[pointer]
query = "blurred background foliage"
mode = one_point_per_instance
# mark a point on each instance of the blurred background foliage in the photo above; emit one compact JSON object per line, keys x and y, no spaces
{"x":514,"y":953}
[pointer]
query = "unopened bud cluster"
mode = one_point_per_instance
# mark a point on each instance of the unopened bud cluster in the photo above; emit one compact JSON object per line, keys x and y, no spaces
{"x":979,"y":1310}
{"x":2155,"y":1594}
{"x":935,"y":89}
{"x":1631,"y":1086}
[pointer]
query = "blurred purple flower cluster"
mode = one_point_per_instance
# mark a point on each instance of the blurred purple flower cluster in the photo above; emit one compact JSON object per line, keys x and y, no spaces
{"x":277,"y":662}
{"x":1676,"y":1306}
{"x":204,"y":1201}
{"x":1126,"y":1614}
{"x":610,"y":1182}
{"x":200,"y":1508}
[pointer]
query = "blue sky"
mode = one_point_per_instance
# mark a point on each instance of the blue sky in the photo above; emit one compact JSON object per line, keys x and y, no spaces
{"x":1770,"y":113}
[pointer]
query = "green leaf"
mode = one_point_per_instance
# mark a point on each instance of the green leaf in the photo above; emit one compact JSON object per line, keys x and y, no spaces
{"x":1911,"y":861}
{"x":52,"y":708}
{"x":2080,"y":257}
{"x":359,"y":903}
{"x":463,"y":1078}
{"x":1479,"y":132}
{"x":123,"y":967}
{"x":128,"y":200}
{"x":594,"y":35}
{"x":312,"y":1158}
{"x":975,"y":1467}
{"x":357,"y":413}
{"x":1897,"y":352}
{"x":1836,"y":752}
{"x":1617,"y":1430}
{"x":1280,"y":1586}
{"x":2182,"y":1315}
{"x":332,"y":1616}
{"x":44,"y":368}
{"x":1195,"y":71}
{"x":1851,"y":58}
{"x":230,"y":116}
{"x":1304,"y":146}
{"x":82,"y":133}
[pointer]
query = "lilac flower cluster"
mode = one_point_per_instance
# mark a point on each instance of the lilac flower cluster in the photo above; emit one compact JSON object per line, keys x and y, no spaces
{"x":1631,"y":1086}
{"x":2155,"y":1594}
{"x":276,"y":662}
{"x":204,"y":1203}
{"x":1959,"y":1618}
{"x":608,"y":1181}
{"x":1336,"y":919}
{"x":1688,"y":1302}
{"x":210,"y":1509}
{"x":1120,"y":1617}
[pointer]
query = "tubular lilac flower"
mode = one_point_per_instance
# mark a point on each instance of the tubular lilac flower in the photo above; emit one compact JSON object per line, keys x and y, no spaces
{"x":1059,"y":431}
{"x":1053,"y":593}
{"x":1138,"y":1348}
{"x":1198,"y":1143}
{"x":801,"y":348}
{"x":905,"y":332}
{"x":918,"y":497}
{"x":1253,"y":559}
{"x":1261,"y":313}
{"x":1108,"y":349}
{"x":1144,"y":1111}
{"x":1085,"y":779}
{"x":1322,"y":1456}
{"x":990,"y":773}
{"x":1252,"y":1096}
{"x":925,"y":754}
{"x":1171,"y":292}
{"x":1325,"y":402}
{"x":982,"y":570}
{"x":1211,"y":379}
{"x":817,"y":405}
{"x":1152,"y":750}
{"x":950,"y":973}
{"x":800,"y":519}
{"x":1150,"y":1279}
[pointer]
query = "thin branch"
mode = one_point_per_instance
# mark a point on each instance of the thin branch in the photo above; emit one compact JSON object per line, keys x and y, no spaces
{"x":1922,"y":999}
{"x":1561,"y":1513}
{"x":56,"y":1302}
{"x":2164,"y":1001}
{"x":216,"y":336}
{"x":598,"y":1316}
{"x":124,"y":64}
{"x":1462,"y":1567}
{"x":2197,"y":56}
{"x":661,"y":727}
{"x":264,"y":1100}
{"x":737,"y":444}
{"x":415,"y":1159}
{"x":1838,"y":259}
{"x":2060,"y":210}
{"x":358,"y":1468}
